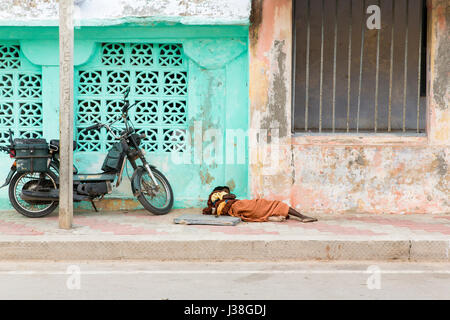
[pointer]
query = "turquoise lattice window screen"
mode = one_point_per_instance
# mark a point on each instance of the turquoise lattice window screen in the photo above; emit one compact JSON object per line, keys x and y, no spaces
{"x":157,"y":76}
{"x":20,"y":95}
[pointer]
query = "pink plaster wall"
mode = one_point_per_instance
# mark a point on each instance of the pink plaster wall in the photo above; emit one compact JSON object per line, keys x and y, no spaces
{"x":338,"y":174}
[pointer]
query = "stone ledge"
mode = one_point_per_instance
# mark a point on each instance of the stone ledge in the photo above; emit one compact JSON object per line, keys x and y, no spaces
{"x":226,"y":250}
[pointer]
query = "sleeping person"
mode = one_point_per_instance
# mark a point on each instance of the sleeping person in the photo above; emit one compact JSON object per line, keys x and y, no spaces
{"x":222,"y":202}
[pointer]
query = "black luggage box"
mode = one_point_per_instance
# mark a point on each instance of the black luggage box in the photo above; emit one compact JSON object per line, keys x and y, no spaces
{"x":32,"y":155}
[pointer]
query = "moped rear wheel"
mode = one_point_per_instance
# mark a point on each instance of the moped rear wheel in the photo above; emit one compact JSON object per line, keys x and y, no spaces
{"x":158,"y":199}
{"x":29,"y":181}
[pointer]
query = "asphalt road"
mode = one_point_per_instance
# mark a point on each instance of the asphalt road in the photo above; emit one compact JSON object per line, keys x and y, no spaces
{"x":242,"y":281}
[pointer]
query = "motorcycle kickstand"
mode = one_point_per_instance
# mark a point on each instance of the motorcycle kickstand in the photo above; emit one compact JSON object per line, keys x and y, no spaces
{"x":93,"y":205}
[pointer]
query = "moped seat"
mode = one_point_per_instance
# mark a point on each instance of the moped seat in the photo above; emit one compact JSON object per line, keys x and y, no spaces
{"x":94,"y":177}
{"x":55,"y":143}
{"x":29,"y":141}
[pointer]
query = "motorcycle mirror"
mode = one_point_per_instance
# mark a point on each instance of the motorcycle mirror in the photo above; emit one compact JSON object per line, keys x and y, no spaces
{"x":127,"y":92}
{"x":125,"y":107}
{"x":11,"y":141}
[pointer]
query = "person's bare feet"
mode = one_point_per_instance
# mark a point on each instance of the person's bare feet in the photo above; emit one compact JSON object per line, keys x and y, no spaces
{"x":306,"y":219}
{"x":276,"y":218}
{"x":300,"y":216}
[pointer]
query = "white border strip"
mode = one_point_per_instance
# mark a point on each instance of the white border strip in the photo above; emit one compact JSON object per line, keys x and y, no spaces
{"x":104,"y":272}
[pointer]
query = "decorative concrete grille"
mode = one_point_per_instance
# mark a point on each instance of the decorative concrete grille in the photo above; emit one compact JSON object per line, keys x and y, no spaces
{"x":157,"y":76}
{"x":20,"y":96}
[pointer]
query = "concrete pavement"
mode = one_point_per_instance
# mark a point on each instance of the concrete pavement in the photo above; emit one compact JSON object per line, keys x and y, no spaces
{"x":140,"y":235}
{"x":227,"y":280}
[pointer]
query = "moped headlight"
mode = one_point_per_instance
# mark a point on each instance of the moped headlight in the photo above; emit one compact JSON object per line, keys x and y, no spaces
{"x":133,"y":154}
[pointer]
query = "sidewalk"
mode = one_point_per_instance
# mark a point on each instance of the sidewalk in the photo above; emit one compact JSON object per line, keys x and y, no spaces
{"x":140,"y":235}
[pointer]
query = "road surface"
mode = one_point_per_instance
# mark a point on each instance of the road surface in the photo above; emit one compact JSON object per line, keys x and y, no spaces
{"x":225,"y":280}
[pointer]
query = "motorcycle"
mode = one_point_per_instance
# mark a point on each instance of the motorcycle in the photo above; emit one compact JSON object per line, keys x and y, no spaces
{"x":34,"y":176}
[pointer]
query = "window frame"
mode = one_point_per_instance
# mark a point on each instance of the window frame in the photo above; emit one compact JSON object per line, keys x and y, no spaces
{"x":362,"y":138}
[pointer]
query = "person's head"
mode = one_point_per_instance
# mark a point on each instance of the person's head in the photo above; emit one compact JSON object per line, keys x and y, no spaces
{"x":210,"y":204}
{"x":221,"y":188}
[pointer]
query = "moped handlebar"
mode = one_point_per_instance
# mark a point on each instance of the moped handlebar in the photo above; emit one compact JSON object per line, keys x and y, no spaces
{"x":127,"y":92}
{"x":96,"y":126}
{"x":127,"y":105}
{"x":4,"y":149}
{"x":125,"y":109}
{"x":7,"y":149}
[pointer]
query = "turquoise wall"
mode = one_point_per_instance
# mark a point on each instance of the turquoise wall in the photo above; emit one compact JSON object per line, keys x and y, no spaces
{"x":206,"y":89}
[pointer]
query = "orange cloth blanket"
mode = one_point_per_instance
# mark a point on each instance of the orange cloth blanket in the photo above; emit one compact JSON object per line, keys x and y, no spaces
{"x":258,"y":210}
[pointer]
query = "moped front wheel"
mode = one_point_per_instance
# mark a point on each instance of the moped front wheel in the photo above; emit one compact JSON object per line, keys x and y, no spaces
{"x":158,"y":199}
{"x":31,"y":181}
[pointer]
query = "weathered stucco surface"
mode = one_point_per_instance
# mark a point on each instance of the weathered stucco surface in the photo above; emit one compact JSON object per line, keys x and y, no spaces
{"x":45,"y":12}
{"x":270,"y":91}
{"x":377,"y":179}
{"x":346,"y":173}
{"x":439,"y":73}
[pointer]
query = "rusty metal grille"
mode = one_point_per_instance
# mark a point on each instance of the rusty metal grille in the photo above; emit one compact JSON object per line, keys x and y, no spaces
{"x":348,"y":78}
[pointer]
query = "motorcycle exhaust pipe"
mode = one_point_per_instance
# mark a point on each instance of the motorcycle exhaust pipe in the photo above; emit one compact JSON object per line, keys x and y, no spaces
{"x":52,"y":195}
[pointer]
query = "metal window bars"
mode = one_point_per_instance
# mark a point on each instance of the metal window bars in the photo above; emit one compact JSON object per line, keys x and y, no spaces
{"x":351,"y":79}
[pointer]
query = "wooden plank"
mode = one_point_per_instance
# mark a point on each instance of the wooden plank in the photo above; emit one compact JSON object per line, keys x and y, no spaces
{"x":315,"y":67}
{"x":357,"y":27}
{"x":66,"y":113}
{"x":301,"y":63}
{"x":423,"y":69}
{"x":399,"y":65}
{"x":201,"y":219}
{"x":369,"y":74}
{"x":329,"y":12}
{"x":342,"y":64}
{"x":414,"y":45}
{"x":385,"y":65}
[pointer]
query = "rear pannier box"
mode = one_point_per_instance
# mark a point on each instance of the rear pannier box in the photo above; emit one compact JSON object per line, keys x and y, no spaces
{"x":32,"y":155}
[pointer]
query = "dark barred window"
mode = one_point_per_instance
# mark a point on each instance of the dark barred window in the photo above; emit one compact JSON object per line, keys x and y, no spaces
{"x":349,"y":78}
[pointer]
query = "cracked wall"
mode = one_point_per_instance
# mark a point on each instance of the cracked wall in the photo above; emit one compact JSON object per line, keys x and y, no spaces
{"x":341,"y":173}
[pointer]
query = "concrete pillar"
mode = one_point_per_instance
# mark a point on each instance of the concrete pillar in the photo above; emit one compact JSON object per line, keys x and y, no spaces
{"x":66,"y":113}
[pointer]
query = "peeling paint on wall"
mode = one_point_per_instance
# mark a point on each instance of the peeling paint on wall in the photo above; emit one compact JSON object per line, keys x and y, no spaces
{"x":186,"y":12}
{"x":275,"y":117}
{"x":342,"y":173}
{"x":370,"y":179}
{"x":441,"y":83}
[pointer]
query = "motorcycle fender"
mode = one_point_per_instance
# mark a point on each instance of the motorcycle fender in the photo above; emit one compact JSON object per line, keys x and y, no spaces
{"x":9,"y":177}
{"x":135,"y":182}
